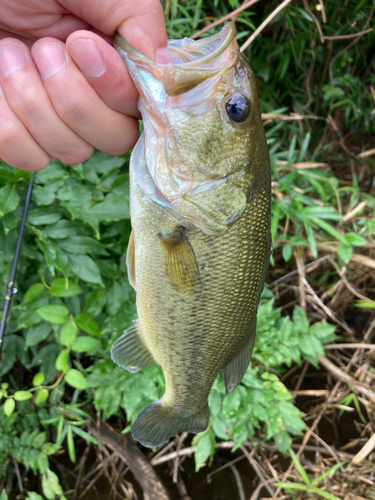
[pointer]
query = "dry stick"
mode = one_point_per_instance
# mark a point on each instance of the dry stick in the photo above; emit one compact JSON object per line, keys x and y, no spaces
{"x":325,"y":308}
{"x":357,"y":258}
{"x":264,"y":24}
{"x":306,"y":267}
{"x":139,"y":465}
{"x":349,"y":286}
{"x":209,"y":476}
{"x":307,"y":7}
{"x":180,"y":440}
{"x":344,"y":37}
{"x":237,"y":477}
{"x":349,"y":346}
{"x":258,"y":472}
{"x":347,"y":379}
{"x":355,"y":210}
{"x":301,"y":278}
{"x":225,"y":18}
{"x":366,"y":450}
{"x":327,"y":447}
{"x":291,"y":117}
{"x":187,"y":451}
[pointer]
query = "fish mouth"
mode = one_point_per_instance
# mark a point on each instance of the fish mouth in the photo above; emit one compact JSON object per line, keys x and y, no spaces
{"x":193,"y":61}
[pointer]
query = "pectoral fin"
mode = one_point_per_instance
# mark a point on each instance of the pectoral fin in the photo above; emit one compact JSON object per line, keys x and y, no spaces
{"x":237,"y":366}
{"x":130,"y":352}
{"x":130,"y":261}
{"x":180,"y":263}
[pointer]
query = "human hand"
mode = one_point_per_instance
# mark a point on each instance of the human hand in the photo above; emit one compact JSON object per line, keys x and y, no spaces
{"x":63,"y":100}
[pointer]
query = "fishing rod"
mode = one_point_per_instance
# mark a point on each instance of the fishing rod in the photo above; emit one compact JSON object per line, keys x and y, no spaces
{"x":11,"y":290}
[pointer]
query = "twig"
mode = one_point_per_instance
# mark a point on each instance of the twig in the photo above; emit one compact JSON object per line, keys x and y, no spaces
{"x":327,"y":447}
{"x":301,"y":278}
{"x":344,"y":37}
{"x":139,"y":466}
{"x":258,"y":472}
{"x":325,"y":308}
{"x":208,"y":477}
{"x":347,"y":379}
{"x":19,"y":480}
{"x":349,"y":346}
{"x":307,"y":7}
{"x":225,"y":18}
{"x":367,"y":153}
{"x":291,"y":117}
{"x":349,"y":286}
{"x":186,"y":451}
{"x":366,"y":450}
{"x":357,"y":258}
{"x":180,"y":440}
{"x":355,"y":210}
{"x":11,"y":290}
{"x":237,"y":477}
{"x":306,"y":267}
{"x":264,"y":24}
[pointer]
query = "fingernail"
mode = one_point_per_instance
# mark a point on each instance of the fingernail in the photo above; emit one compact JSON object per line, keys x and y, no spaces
{"x":49,"y":58}
{"x":164,"y":56}
{"x":87,"y":57}
{"x":12,"y":57}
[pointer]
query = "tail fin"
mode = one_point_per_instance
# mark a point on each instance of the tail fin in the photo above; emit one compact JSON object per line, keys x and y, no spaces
{"x":158,"y":423}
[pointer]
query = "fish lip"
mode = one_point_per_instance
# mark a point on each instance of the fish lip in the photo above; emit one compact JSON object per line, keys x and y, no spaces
{"x":179,"y":78}
{"x":227,"y":34}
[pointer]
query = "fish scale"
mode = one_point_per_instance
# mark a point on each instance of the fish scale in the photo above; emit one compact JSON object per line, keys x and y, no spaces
{"x":197,"y":259}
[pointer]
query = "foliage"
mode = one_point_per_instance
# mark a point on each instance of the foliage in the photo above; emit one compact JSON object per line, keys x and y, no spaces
{"x":74,"y":299}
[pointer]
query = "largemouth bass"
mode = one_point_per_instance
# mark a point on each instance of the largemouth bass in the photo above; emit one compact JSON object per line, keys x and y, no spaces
{"x":200,"y":186}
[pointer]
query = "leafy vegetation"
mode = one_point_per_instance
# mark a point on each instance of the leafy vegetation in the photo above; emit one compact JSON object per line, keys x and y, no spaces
{"x":73,"y":297}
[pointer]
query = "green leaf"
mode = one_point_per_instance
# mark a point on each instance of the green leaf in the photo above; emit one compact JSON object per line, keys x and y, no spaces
{"x":33,"y":292}
{"x":43,"y":195}
{"x":83,"y":245}
{"x":364,"y":303}
{"x":87,"y":324}
{"x":85,"y":268}
{"x":50,"y":485}
{"x":345,"y":252}
{"x":44,"y":216}
{"x":114,"y":208}
{"x":63,"y":229}
{"x":9,"y":199}
{"x":53,"y":313}
{"x":205,"y":442}
{"x":31,"y":495}
{"x":62,"y":361}
{"x":300,"y":319}
{"x":9,"y":406}
{"x":76,"y":379}
{"x":37,"y":333}
{"x":287,"y":252}
{"x":22,"y":395}
{"x":38,"y":379}
{"x":4,"y":496}
{"x":85,"y":435}
{"x":71,"y":448}
{"x":68,"y":333}
{"x":355,"y":240}
{"x":64,"y":288}
{"x":299,"y":467}
{"x":41,"y":396}
{"x":84,"y":344}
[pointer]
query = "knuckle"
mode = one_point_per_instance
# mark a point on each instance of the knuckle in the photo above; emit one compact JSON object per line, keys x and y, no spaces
{"x":75,"y":156}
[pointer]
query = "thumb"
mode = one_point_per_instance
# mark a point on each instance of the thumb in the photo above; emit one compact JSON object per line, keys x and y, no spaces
{"x":140,"y":22}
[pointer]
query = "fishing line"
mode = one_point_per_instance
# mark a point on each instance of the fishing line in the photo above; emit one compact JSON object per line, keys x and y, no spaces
{"x":11,"y":289}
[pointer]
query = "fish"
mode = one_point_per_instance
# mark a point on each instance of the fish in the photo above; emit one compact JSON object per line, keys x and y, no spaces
{"x":200,"y":204}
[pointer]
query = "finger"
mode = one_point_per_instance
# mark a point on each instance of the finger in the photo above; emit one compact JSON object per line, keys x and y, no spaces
{"x":28,"y":99}
{"x":78,"y":105}
{"x":104,"y":69}
{"x":17,"y":147}
{"x":140,"y":22}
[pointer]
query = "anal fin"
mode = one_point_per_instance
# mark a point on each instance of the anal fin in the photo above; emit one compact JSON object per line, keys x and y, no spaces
{"x":130,"y":261}
{"x":180,"y":262}
{"x":237,"y":366}
{"x":130,"y":352}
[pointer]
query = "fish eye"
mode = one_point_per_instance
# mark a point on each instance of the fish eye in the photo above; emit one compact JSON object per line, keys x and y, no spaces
{"x":238,"y":107}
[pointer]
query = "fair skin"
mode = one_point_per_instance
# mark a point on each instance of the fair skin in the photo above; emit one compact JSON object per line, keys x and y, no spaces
{"x":64,"y":89}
